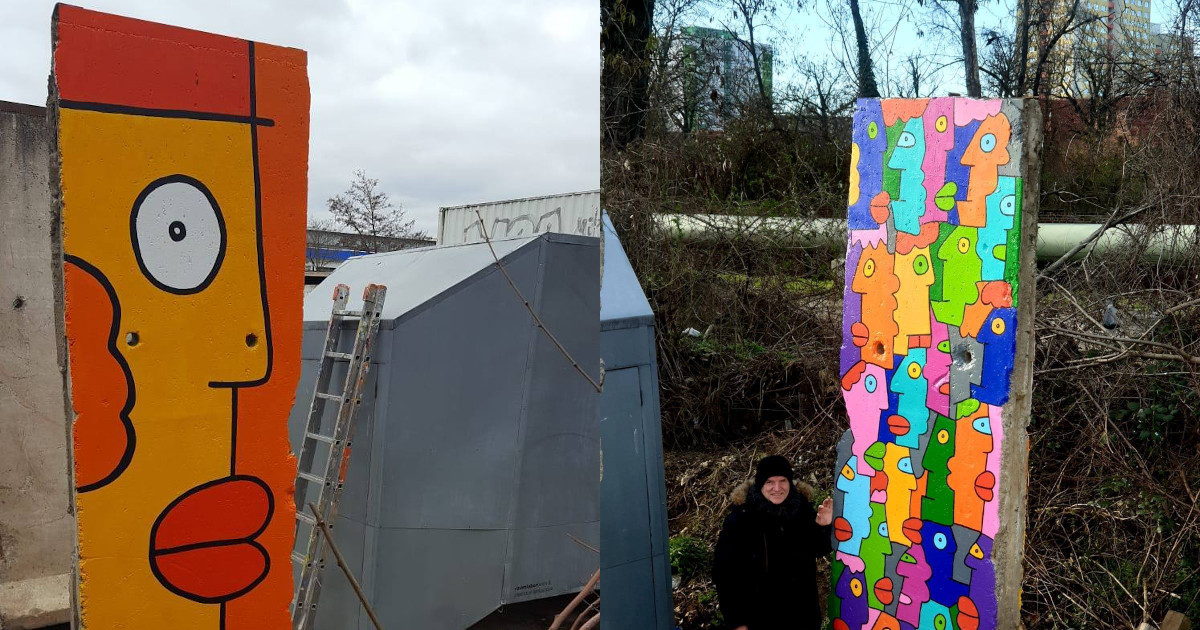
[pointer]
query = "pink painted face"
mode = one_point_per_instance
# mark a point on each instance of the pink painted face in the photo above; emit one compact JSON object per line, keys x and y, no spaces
{"x":937,"y":368}
{"x":776,"y":489}
{"x":864,"y":389}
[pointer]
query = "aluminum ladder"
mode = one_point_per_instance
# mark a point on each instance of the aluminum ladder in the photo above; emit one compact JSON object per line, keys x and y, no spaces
{"x":329,"y":472}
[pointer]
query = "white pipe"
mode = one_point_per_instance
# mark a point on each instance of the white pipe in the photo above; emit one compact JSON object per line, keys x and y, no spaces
{"x":1166,"y":244}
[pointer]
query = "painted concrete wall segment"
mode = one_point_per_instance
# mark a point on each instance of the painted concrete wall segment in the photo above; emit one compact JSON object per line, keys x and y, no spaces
{"x":182,"y":163}
{"x":935,"y":358}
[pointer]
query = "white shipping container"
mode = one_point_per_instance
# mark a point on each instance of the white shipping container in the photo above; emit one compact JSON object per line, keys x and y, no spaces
{"x":569,"y":213}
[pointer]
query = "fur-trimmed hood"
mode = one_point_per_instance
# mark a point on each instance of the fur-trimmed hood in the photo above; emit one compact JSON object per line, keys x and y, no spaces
{"x":742,"y":492}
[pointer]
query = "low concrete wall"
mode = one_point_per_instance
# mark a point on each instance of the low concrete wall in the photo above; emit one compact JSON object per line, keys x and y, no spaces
{"x":36,"y":525}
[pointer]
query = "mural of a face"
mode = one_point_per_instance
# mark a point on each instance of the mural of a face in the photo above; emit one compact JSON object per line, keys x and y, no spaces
{"x":939,"y":140}
{"x":911,"y":387}
{"x":968,"y":468}
{"x":915,"y":273}
{"x":850,"y":589}
{"x":876,"y":281}
{"x":940,"y":549}
{"x":935,"y":327}
{"x":162,"y":243}
{"x":914,"y":591}
{"x":998,"y":336}
{"x":898,"y":467}
{"x":870,"y":142}
{"x":961,"y":269}
{"x":906,"y":158}
{"x":993,"y":237}
{"x":987,"y":152}
{"x":937,"y":369}
{"x":863,"y":389}
{"x":855,"y":522}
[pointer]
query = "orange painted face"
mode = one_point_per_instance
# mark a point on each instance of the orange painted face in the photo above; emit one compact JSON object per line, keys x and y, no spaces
{"x":166,"y":304}
{"x":987,"y":152}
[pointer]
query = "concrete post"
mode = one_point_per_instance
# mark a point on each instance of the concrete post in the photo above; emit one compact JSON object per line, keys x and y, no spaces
{"x":936,"y":364}
{"x":36,"y":525}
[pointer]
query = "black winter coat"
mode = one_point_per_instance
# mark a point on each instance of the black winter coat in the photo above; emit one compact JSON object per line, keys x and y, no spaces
{"x":765,"y":563}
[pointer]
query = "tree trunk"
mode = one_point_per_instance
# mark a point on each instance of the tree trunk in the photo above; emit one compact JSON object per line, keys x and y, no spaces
{"x":866,"y":73}
{"x":626,"y":26}
{"x":966,"y":11}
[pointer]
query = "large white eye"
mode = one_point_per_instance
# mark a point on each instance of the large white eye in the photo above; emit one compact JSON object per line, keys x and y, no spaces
{"x":178,"y":234}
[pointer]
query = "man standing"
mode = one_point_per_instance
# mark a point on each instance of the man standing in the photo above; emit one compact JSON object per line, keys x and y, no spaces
{"x":765,"y":562}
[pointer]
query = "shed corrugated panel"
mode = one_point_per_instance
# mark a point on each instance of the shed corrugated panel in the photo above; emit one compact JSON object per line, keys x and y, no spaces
{"x":571,"y":213}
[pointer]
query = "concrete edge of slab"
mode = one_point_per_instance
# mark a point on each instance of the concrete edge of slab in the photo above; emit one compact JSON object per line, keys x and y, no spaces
{"x":35,"y":602}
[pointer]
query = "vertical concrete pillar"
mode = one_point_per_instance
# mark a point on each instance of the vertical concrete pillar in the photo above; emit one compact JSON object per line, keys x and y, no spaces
{"x":36,"y":526}
{"x":936,"y":364}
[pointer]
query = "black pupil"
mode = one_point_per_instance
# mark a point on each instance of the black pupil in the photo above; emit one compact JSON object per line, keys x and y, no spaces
{"x":177,"y":231}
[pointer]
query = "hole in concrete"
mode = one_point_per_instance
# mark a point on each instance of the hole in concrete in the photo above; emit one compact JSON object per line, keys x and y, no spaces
{"x":131,"y":338}
{"x":879,"y":348}
{"x":18,"y":302}
{"x":251,"y":340}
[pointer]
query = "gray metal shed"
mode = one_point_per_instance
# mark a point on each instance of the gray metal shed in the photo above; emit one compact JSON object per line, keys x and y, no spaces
{"x":477,"y":453}
{"x":635,"y":570}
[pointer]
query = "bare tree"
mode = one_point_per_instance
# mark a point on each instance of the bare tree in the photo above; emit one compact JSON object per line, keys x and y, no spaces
{"x":825,"y":96}
{"x":965,"y":27}
{"x":626,"y":28}
{"x":368,"y":212}
{"x":866,"y":72}
{"x":752,"y":16}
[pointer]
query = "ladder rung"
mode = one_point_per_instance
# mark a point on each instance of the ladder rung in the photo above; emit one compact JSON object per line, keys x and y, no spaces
{"x":305,"y":517}
{"x":299,"y":558}
{"x":310,"y":477}
{"x":343,"y":356}
{"x":326,"y":396}
{"x":347,"y":313}
{"x":319,"y":437}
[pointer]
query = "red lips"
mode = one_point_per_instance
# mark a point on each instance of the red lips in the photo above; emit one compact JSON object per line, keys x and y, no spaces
{"x":859,"y":333}
{"x":898,"y":425}
{"x":968,"y":614}
{"x":841,"y":529}
{"x":203,"y":547}
{"x":883,"y":591}
{"x":985,"y":485}
{"x":912,"y":529}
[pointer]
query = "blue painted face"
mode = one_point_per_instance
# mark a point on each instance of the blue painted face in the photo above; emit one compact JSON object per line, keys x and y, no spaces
{"x":871,"y":138}
{"x":907,"y":158}
{"x":911,"y":389}
{"x":998,"y":337}
{"x":939,"y":546}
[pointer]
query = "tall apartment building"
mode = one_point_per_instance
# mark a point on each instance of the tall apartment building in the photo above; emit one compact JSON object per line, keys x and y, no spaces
{"x":717,"y":76}
{"x":1115,"y":29}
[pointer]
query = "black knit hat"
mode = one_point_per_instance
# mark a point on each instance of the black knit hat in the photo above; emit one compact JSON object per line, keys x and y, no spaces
{"x":772,"y":466}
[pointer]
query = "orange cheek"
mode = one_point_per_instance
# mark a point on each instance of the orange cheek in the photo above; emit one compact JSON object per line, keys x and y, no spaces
{"x":103,"y":434}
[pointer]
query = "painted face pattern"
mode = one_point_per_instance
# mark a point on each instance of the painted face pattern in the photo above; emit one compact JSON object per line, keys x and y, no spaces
{"x":929,"y":344}
{"x":183,"y":186}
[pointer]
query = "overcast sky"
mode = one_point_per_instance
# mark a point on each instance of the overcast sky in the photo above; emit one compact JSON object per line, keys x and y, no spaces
{"x":444,"y":102}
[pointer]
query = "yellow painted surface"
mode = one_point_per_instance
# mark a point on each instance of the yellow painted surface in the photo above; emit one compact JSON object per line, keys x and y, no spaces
{"x":184,"y":435}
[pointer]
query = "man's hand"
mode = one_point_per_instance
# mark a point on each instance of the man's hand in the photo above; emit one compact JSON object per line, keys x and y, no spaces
{"x":825,"y":512}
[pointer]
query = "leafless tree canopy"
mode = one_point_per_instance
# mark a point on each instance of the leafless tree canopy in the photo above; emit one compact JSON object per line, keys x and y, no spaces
{"x":366,"y":210}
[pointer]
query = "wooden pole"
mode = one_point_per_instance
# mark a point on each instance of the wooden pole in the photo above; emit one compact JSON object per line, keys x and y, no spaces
{"x":345,"y":569}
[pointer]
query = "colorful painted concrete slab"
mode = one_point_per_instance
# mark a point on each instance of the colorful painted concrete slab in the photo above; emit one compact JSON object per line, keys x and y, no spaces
{"x":183,"y":161}
{"x":935,"y":361}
